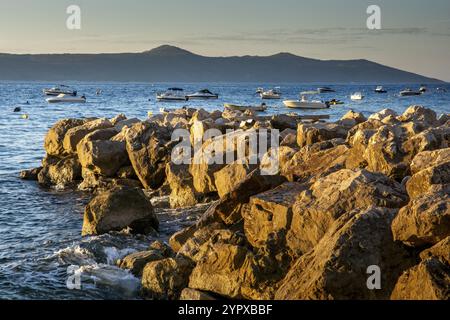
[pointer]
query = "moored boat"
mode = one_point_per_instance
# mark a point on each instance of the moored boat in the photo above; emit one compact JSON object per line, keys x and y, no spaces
{"x":408,"y":92}
{"x":357,"y":96}
{"x":271,"y":94}
{"x":325,"y":90}
{"x":172,"y":94}
{"x":66,"y":98}
{"x":62,"y":89}
{"x":203,"y":94}
{"x":260,"y":108}
{"x":305,"y":104}
{"x":380,"y":89}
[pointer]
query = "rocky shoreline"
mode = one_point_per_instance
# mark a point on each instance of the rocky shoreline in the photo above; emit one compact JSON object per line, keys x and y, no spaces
{"x":357,"y":208}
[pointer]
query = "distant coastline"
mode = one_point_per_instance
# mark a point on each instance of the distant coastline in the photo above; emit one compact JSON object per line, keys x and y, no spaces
{"x":172,"y":64}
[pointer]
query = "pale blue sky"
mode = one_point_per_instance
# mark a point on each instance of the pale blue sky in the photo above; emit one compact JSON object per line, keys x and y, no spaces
{"x":415,"y":34}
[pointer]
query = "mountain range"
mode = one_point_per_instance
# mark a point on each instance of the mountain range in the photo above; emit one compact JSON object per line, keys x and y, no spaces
{"x":171,"y":64}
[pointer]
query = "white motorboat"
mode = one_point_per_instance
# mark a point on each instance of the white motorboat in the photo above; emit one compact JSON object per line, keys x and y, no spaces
{"x":325,"y":90}
{"x":271,"y":94}
{"x":380,"y":89}
{"x":305,"y":104}
{"x":409,"y":92}
{"x":259,"y":90}
{"x":62,"y":89}
{"x":260,"y":108}
{"x":66,"y":98}
{"x":357,"y":96}
{"x":203,"y":94}
{"x":423,"y":89}
{"x":172,"y":94}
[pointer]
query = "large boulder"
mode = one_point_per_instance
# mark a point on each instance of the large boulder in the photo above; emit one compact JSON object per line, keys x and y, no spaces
{"x":53,"y":143}
{"x":308,"y":134}
{"x":117,"y":209}
{"x":74,"y":135}
{"x":426,"y":159}
{"x":229,"y":207}
{"x":181,"y":185}
{"x":62,"y":173}
{"x":136,"y":261}
{"x":270,"y":212}
{"x":226,"y":270}
{"x":340,"y":265}
{"x":332,"y":196}
{"x":165,"y":279}
{"x":149,"y":149}
{"x":309,"y":163}
{"x":419,"y":114}
{"x":231,"y":175}
{"x":433,"y":178}
{"x":430,"y":279}
{"x":424,"y":221}
{"x":103,"y":156}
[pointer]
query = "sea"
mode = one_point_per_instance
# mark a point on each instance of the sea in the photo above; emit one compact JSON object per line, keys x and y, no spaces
{"x":42,"y":253}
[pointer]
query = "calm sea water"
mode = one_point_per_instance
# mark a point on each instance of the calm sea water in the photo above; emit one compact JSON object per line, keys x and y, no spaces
{"x":40,"y":229}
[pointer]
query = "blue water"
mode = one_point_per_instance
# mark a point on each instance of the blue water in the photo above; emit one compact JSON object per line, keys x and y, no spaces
{"x":40,"y":229}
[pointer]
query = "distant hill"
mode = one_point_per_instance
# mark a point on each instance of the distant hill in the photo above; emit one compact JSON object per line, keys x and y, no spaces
{"x":172,"y":64}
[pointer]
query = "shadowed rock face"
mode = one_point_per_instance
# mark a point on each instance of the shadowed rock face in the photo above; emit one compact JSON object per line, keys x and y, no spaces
{"x":337,"y":266}
{"x":117,"y":209}
{"x":430,"y":279}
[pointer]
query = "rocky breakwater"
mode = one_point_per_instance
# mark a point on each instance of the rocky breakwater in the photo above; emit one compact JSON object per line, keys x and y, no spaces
{"x":354,"y":209}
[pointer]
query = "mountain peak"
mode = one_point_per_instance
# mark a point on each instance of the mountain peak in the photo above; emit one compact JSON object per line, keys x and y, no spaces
{"x":168,"y":50}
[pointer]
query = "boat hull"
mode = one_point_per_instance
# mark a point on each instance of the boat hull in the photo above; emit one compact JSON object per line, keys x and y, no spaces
{"x":244,"y":108}
{"x":293,"y":104}
{"x":55,"y":100}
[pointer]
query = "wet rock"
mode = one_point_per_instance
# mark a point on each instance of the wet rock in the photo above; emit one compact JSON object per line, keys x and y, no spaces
{"x":337,"y":267}
{"x":270,"y":212}
{"x":424,"y":221}
{"x":119,"y":208}
{"x":136,"y":262}
{"x":31,"y":174}
{"x":74,"y":135}
{"x":194,"y":295}
{"x":149,"y":150}
{"x":334,"y":195}
{"x":430,"y":279}
{"x":165,"y":279}
{"x":53,"y":143}
{"x":231,"y":175}
{"x":178,"y":239}
{"x":308,"y":134}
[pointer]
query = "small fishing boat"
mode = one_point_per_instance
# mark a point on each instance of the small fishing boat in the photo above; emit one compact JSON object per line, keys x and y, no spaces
{"x":271,"y":94}
{"x":259,"y":90}
{"x":408,"y":92}
{"x":380,"y":89}
{"x":309,"y":92}
{"x":62,"y":89}
{"x":325,"y":90}
{"x":203,"y":94}
{"x":423,"y":89}
{"x":260,"y":108}
{"x":172,"y":94}
{"x":357,"y":96}
{"x":305,"y":104}
{"x":67,"y":99}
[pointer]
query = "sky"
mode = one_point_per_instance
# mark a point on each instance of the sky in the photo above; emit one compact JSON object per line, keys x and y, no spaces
{"x":414,"y":34}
